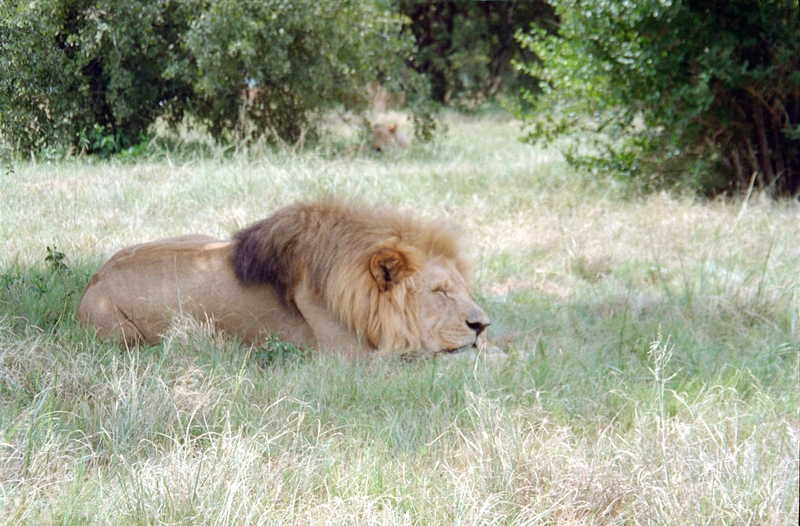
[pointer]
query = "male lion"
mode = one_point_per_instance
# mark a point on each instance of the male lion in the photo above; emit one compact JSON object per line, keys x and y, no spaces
{"x":319,"y":274}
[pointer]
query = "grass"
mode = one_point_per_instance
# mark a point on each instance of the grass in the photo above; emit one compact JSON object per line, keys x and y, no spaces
{"x":652,"y":372}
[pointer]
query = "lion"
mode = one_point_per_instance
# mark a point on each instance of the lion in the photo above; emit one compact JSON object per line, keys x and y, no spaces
{"x":387,"y":138}
{"x":320,"y":274}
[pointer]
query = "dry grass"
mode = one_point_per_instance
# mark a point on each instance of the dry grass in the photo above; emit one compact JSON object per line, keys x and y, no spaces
{"x":652,"y":372}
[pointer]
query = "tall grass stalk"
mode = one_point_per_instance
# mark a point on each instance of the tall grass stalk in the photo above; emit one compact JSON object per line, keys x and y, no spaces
{"x":660,"y":354}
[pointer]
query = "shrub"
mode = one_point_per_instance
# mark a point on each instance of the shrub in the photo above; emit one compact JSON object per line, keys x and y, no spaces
{"x":674,"y":91}
{"x":80,"y":68}
{"x":83,"y":67}
{"x":287,"y":60}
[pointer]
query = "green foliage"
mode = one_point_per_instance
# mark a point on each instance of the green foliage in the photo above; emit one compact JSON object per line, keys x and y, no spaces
{"x":29,"y":60}
{"x":466,"y":49}
{"x":82,"y":70}
{"x":55,"y":260}
{"x":673,"y":91}
{"x":97,"y":141}
{"x":276,"y":351}
{"x":95,"y":74}
{"x":267,"y":67}
{"x":41,"y":297}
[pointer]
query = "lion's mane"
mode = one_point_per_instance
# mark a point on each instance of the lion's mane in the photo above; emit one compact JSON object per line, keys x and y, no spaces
{"x":360,"y":261}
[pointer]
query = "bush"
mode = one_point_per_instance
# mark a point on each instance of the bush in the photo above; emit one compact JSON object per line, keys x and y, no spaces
{"x":674,"y":92}
{"x":288,"y":60}
{"x":78,"y":68}
{"x":83,"y":67}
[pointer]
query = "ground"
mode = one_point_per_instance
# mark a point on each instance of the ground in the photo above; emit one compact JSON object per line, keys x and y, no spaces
{"x":651,"y":376}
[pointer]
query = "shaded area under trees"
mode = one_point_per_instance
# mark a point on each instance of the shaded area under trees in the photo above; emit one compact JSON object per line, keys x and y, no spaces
{"x":467,"y":50}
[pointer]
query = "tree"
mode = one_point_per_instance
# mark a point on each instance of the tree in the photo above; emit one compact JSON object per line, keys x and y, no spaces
{"x":288,"y":60}
{"x":466,"y":50}
{"x":82,"y":68}
{"x":674,"y":91}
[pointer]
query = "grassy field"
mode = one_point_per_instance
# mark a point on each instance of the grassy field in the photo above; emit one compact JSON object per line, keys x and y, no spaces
{"x":652,"y":375}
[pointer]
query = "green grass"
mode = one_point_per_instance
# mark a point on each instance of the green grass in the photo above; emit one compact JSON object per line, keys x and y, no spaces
{"x":652,"y":372}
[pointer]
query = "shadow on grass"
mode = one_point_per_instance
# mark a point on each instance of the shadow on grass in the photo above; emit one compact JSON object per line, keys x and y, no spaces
{"x":43,"y":296}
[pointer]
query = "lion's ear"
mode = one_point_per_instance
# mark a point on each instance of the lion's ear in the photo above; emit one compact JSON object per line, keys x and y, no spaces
{"x":389,"y":267}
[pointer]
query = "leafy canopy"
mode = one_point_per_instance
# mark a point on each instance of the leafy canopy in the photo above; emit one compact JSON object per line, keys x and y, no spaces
{"x":673,"y":92}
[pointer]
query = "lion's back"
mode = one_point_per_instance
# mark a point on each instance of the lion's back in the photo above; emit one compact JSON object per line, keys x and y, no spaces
{"x":119,"y":298}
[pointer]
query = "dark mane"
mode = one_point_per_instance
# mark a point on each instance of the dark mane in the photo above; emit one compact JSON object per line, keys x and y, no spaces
{"x":264,"y":254}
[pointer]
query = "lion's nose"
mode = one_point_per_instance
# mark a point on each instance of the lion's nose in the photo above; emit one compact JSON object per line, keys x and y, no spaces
{"x":477,"y":320}
{"x":477,"y":326}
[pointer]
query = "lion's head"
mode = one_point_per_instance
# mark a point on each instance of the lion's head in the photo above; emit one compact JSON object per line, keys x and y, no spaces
{"x":388,"y":138}
{"x":396,"y":282}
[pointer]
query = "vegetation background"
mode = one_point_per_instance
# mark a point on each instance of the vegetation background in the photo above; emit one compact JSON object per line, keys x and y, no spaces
{"x":652,"y":333}
{"x":670,"y":93}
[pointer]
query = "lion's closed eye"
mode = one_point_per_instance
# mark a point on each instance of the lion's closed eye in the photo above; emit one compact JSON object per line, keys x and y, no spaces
{"x":444,"y":288}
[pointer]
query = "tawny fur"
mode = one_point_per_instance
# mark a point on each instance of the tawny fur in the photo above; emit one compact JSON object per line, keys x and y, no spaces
{"x":387,"y":138}
{"x":331,"y":245}
{"x":319,"y":273}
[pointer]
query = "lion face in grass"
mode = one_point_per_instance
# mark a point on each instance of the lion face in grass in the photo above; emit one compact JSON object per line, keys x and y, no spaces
{"x":450,"y":320}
